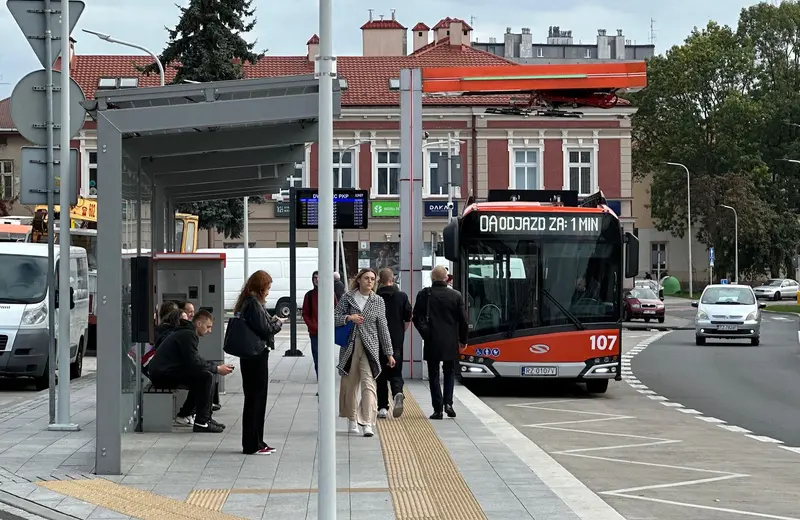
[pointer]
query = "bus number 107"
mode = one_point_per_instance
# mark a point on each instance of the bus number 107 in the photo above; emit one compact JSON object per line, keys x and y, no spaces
{"x":603,"y":342}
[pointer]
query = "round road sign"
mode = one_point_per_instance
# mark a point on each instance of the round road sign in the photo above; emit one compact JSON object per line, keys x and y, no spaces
{"x":29,"y":107}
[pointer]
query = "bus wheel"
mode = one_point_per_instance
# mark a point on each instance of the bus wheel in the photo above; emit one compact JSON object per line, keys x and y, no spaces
{"x":597,"y":386}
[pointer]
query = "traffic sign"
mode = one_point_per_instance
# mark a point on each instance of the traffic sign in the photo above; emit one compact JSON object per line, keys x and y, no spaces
{"x":30,"y":17}
{"x":711,"y":257}
{"x":29,"y":107}
{"x":33,"y":177}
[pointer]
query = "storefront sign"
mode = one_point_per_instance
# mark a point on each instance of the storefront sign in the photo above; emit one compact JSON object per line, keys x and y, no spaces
{"x":385,"y":208}
{"x":435,"y":208}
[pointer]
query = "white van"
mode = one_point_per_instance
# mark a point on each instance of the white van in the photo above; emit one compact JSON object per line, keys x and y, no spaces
{"x":275,"y":261}
{"x":24,"y":329}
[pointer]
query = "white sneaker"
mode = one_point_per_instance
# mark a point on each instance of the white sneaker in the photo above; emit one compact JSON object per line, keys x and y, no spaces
{"x":352,"y":427}
{"x":383,"y":413}
{"x":368,"y":430}
{"x":184,"y":421}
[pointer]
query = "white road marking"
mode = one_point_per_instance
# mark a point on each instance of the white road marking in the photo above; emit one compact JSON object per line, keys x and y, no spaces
{"x":713,"y":420}
{"x":792,"y":449}
{"x":672,"y":404}
{"x":733,"y":428}
{"x":690,"y":411}
{"x":657,"y":397}
{"x":764,"y":438}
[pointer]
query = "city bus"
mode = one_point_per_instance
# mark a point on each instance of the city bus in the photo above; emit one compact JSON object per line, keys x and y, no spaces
{"x":542,"y":278}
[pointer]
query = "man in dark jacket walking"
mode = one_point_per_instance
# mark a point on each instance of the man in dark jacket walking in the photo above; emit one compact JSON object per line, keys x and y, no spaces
{"x":177,"y":363}
{"x":441,"y":321}
{"x":398,"y":317}
{"x":310,"y":314}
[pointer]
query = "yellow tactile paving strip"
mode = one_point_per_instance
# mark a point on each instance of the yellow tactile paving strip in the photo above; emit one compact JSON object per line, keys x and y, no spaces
{"x":134,"y":502}
{"x":208,"y":498}
{"x":424,"y":482}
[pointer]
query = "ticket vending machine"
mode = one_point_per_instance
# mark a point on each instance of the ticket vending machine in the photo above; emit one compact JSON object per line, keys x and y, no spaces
{"x":198,"y":278}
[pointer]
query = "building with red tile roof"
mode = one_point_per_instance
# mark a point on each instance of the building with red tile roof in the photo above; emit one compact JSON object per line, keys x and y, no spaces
{"x":498,"y":152}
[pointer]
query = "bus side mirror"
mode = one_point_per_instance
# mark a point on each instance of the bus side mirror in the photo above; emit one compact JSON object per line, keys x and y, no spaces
{"x":450,"y":241}
{"x":631,"y":255}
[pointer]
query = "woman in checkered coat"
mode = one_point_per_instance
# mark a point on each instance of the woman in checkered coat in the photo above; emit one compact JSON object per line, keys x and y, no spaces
{"x":359,"y":361}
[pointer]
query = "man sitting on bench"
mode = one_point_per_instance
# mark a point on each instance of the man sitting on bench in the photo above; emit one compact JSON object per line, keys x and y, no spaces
{"x":177,"y":363}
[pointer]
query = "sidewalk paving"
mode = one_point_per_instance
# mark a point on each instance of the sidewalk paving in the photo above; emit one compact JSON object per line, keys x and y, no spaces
{"x":476,"y":466}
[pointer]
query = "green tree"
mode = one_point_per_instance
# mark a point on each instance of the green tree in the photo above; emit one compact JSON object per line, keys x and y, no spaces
{"x":698,"y":110}
{"x":6,"y":205}
{"x":207,"y":45}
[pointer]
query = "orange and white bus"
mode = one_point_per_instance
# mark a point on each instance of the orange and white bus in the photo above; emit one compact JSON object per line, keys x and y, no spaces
{"x":542,"y":279}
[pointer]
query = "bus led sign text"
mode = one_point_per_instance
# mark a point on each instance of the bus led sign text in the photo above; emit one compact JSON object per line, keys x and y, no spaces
{"x":540,"y":224}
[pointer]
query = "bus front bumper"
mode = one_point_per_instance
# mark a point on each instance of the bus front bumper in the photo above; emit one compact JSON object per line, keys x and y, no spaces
{"x":595,"y":368}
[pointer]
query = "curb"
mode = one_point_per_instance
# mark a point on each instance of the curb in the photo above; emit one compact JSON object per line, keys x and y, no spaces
{"x":33,"y":508}
{"x":785,"y":313}
{"x":659,"y":327}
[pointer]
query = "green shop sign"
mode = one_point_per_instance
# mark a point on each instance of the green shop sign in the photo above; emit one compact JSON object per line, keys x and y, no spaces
{"x":385,"y":208}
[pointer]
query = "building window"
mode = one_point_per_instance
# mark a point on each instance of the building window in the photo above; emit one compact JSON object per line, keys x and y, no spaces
{"x":658,"y":256}
{"x":526,"y":170}
{"x":7,"y":179}
{"x":581,"y":171}
{"x":436,"y":184}
{"x":388,"y":173}
{"x":540,"y":53}
{"x":343,"y":171}
{"x":92,"y":167}
{"x":587,"y":54}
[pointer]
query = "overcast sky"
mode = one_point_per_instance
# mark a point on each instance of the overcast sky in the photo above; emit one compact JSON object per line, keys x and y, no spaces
{"x":284,"y":27}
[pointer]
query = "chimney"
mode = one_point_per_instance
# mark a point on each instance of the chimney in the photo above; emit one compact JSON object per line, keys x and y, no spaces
{"x":313,"y":48}
{"x":421,"y":34}
{"x":384,"y":37}
{"x":57,"y":61}
{"x":457,"y":35}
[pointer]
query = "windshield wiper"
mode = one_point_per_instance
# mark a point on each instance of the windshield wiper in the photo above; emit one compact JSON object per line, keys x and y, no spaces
{"x":569,"y":315}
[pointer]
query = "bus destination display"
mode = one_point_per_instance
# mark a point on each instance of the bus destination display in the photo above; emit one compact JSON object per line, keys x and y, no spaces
{"x":541,"y":224}
{"x":350,"y":209}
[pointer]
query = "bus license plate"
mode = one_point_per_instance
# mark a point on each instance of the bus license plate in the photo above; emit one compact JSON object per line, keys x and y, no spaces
{"x":727,"y":327}
{"x":539,"y":371}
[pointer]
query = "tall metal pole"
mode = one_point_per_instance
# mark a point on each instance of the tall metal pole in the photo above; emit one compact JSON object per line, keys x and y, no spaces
{"x":51,"y":225}
{"x":736,"y":238}
{"x":688,"y":221}
{"x":246,"y":233}
{"x":292,"y":351}
{"x":64,"y":285}
{"x":451,"y":153}
{"x":326,"y":497}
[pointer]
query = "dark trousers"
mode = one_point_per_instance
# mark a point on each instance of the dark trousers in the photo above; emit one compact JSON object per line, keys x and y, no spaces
{"x":188,"y":406}
{"x":255,"y":382}
{"x":201,"y":387}
{"x":390,"y":378}
{"x":315,"y":353}
{"x":438,"y":400}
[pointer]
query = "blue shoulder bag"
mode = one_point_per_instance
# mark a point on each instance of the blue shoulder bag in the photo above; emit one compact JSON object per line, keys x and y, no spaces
{"x":342,"y":333}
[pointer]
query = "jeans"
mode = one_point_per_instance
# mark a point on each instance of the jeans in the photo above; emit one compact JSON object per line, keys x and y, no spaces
{"x":438,"y":400}
{"x":390,"y":378}
{"x":315,"y":353}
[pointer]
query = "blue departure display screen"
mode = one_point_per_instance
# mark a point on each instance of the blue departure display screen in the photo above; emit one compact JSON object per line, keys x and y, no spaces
{"x":350,"y":208}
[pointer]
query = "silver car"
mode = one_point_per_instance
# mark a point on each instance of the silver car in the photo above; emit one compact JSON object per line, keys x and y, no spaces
{"x":728,"y":312}
{"x":777,"y":289}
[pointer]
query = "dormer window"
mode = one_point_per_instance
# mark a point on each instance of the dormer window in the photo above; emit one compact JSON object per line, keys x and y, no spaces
{"x":128,"y":82}
{"x":342,"y":83}
{"x":394,"y":83}
{"x":106,"y":83}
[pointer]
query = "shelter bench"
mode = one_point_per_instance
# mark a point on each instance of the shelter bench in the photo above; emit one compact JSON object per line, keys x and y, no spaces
{"x":158,"y":408}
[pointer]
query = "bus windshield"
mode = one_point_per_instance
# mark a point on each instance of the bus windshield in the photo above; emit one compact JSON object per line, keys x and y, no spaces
{"x":518,"y":283}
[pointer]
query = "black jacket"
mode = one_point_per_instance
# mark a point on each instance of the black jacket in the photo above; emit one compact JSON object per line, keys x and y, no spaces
{"x":339,"y":289}
{"x":160,"y":333}
{"x":178,"y":355}
{"x":264,"y":325}
{"x":398,"y":313}
{"x":440,"y":318}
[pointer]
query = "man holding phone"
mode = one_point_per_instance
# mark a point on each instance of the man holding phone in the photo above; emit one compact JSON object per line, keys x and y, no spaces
{"x":178,"y":363}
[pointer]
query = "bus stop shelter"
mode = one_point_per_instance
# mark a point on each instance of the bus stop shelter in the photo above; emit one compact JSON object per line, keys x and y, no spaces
{"x":159,"y":147}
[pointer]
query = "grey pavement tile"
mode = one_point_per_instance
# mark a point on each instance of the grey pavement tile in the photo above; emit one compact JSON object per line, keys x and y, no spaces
{"x":371,"y":515}
{"x":102,"y":513}
{"x":43,"y":494}
{"x":246,"y":500}
{"x":252,"y":513}
{"x":20,"y":490}
{"x":278,"y":504}
{"x":375,"y":502}
{"x":82,"y":511}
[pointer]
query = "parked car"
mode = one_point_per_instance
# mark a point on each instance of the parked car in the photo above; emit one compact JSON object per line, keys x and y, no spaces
{"x":642,"y":303}
{"x":777,"y":289}
{"x":728,"y":312}
{"x":654,"y":285}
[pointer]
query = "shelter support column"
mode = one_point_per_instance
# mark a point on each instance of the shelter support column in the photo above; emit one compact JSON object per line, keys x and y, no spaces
{"x":159,"y":203}
{"x":411,"y":209}
{"x":108,"y":451}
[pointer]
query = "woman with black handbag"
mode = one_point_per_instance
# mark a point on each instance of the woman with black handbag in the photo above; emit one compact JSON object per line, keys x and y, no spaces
{"x":250,"y":336}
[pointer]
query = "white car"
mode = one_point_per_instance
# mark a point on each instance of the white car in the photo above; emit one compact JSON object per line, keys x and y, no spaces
{"x":777,"y":289}
{"x":728,"y":312}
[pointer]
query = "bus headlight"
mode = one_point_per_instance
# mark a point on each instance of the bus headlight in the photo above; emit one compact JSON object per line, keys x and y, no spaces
{"x":34,"y":315}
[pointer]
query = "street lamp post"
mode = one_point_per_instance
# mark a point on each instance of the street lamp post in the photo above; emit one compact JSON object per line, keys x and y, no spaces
{"x":688,"y":221}
{"x":110,"y":39}
{"x":736,"y":237}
